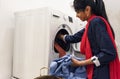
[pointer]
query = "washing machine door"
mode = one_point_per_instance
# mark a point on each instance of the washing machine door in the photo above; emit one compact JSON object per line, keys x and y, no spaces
{"x":73,"y":48}
{"x":62,"y":29}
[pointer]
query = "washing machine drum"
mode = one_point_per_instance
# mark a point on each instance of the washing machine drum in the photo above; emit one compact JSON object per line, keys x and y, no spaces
{"x":62,"y":44}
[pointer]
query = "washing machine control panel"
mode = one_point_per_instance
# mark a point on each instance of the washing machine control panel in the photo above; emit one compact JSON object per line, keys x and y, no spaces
{"x":70,"y":19}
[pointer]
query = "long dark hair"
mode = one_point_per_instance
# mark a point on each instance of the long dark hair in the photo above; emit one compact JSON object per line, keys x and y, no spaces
{"x":97,"y":8}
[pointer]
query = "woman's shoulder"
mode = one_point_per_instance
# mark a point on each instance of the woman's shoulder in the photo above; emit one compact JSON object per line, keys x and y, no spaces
{"x":97,"y":23}
{"x":97,"y":20}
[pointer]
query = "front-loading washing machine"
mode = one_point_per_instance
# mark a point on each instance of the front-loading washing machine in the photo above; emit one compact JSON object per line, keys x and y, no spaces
{"x":35,"y":33}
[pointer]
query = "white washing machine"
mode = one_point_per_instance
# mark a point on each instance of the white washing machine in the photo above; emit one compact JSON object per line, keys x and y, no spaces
{"x":35,"y":34}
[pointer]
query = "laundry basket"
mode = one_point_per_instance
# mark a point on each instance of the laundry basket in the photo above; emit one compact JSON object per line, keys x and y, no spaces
{"x":45,"y":76}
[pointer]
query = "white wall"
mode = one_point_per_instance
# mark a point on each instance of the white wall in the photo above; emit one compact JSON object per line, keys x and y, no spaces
{"x":113,"y":11}
{"x":7,"y":9}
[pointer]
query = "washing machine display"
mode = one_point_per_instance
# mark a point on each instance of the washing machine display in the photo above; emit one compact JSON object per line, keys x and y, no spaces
{"x":35,"y":35}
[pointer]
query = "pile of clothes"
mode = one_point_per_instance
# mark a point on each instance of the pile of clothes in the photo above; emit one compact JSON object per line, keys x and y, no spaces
{"x":62,"y":67}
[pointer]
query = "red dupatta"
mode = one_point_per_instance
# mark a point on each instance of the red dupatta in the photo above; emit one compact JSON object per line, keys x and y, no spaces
{"x":85,"y":49}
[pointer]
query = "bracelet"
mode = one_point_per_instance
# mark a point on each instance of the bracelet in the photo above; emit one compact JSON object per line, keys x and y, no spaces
{"x":95,"y":60}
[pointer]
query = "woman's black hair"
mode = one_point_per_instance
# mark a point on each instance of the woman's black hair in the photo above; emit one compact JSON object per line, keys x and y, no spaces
{"x":97,"y":8}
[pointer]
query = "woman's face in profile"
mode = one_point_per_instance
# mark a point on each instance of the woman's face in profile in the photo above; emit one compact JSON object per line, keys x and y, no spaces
{"x":84,"y":14}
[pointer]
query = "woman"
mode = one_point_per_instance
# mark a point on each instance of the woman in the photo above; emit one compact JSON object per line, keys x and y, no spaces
{"x":97,"y":41}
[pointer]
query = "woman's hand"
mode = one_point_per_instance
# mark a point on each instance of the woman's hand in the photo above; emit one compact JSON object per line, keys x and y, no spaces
{"x":60,"y":36}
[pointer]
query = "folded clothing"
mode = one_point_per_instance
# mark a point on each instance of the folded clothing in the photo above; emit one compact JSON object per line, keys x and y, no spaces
{"x":62,"y":67}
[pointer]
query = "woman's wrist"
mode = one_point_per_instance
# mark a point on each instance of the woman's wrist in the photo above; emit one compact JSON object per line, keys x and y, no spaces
{"x":85,"y":62}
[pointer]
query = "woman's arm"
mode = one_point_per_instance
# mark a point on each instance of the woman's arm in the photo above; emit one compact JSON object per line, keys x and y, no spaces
{"x":72,"y":38}
{"x":76,"y":62}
